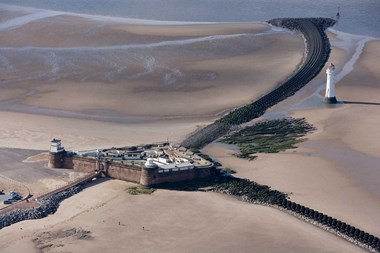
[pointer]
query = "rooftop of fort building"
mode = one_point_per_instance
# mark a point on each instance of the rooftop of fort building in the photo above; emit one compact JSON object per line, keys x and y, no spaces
{"x":164,"y":156}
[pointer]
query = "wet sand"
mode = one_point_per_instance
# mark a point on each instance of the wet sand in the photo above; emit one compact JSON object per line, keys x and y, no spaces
{"x":336,"y":170}
{"x":20,"y":130}
{"x":234,"y":71}
{"x":173,"y":222}
{"x":117,"y":84}
{"x":191,"y":73}
{"x":193,"y":88}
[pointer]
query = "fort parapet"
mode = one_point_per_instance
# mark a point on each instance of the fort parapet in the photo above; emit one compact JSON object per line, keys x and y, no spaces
{"x":146,"y":164}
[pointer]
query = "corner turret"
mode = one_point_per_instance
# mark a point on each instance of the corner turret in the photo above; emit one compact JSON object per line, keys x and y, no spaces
{"x":148,"y":173}
{"x":56,"y":154}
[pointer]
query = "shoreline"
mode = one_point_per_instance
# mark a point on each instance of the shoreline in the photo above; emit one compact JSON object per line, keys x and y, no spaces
{"x":133,"y":21}
{"x":185,"y":215}
{"x":137,"y":119}
{"x":156,"y":69}
{"x":136,"y":21}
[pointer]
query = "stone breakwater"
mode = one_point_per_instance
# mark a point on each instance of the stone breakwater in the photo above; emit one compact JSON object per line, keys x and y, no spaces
{"x":47,"y":206}
{"x":317,"y":51}
{"x":321,"y":220}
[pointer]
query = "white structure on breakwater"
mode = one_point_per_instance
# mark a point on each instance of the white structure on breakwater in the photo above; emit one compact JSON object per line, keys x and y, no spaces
{"x":56,"y":146}
{"x":330,"y":85}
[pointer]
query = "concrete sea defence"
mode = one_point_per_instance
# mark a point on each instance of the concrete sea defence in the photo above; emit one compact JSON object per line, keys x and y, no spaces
{"x":317,"y":51}
{"x":47,"y":206}
{"x":332,"y":225}
{"x":252,"y":192}
{"x":42,"y":205}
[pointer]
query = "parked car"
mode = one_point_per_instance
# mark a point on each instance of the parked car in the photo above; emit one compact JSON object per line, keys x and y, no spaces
{"x":9,"y":201}
{"x":15,"y":196}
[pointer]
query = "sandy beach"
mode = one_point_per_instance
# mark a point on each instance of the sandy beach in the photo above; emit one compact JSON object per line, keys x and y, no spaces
{"x":191,"y":72}
{"x":122,"y":84}
{"x":173,"y":222}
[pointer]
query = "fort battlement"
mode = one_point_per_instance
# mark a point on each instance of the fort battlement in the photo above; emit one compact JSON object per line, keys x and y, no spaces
{"x":148,"y":164}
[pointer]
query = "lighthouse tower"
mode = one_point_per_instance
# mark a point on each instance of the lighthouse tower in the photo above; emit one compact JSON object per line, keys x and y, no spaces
{"x":330,"y":86}
{"x":56,"y":154}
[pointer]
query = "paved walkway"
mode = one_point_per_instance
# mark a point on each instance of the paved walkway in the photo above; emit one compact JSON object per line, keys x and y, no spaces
{"x":34,"y":202}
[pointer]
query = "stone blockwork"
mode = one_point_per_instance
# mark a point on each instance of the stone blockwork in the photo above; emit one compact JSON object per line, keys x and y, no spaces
{"x":177,"y":176}
{"x":136,"y":174}
{"x":84,"y":164}
{"x":68,"y":162}
{"x":56,"y":159}
{"x":124,"y":172}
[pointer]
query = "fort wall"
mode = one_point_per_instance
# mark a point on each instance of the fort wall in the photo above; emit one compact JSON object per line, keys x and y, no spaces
{"x":156,"y":177}
{"x":122,"y":171}
{"x":81,"y":164}
{"x":68,"y":162}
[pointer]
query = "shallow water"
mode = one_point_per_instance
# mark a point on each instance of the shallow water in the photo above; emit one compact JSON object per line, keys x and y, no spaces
{"x":358,"y":17}
{"x":125,"y":62}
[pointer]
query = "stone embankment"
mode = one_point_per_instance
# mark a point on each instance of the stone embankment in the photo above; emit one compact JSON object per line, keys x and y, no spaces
{"x":317,"y":51}
{"x":241,"y":188}
{"x":47,"y":206}
{"x":42,"y":205}
{"x":332,"y":225}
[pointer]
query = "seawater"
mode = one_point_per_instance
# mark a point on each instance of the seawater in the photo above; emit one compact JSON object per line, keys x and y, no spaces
{"x":357,"y":16}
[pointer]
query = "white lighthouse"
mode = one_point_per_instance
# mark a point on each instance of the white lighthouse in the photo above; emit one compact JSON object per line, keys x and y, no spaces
{"x":330,"y":86}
